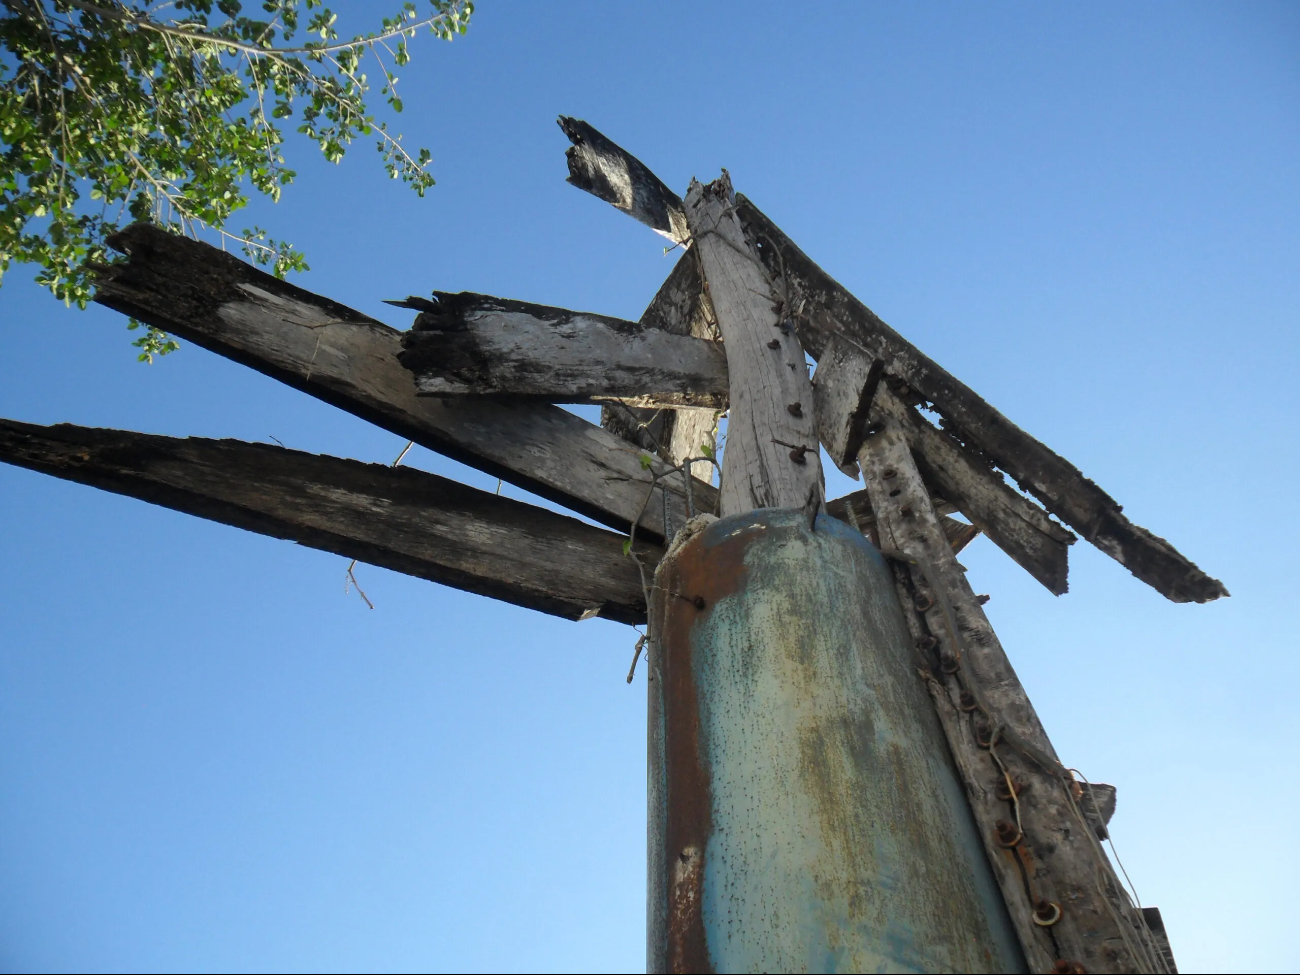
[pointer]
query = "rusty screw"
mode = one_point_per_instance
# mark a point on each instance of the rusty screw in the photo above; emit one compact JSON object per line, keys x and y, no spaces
{"x":924,"y":602}
{"x":774,"y":344}
{"x":889,"y":473}
{"x":795,"y":409}
{"x":1046,"y":913}
{"x":1007,"y":834}
{"x":797,"y":455}
{"x":698,"y":602}
{"x":966,"y":701}
{"x":948,"y":662}
{"x":927,"y":643}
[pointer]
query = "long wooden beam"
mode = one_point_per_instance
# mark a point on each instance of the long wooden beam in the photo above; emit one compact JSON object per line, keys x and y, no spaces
{"x":349,"y":359}
{"x":472,"y":344}
{"x":1040,"y":829}
{"x":399,"y":518}
{"x":824,"y":308}
{"x":820,"y":307}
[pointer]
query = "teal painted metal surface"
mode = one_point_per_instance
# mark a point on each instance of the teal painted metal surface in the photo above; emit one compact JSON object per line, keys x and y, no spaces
{"x":805,"y":815}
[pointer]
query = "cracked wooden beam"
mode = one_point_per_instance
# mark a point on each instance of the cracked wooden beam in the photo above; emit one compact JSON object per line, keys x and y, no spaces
{"x":613,"y":174}
{"x":399,"y":518}
{"x":471,"y":344}
{"x":825,"y":308}
{"x":348,"y":359}
{"x":847,"y":384}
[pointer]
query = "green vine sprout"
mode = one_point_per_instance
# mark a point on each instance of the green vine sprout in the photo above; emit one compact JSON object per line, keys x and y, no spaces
{"x":166,"y":111}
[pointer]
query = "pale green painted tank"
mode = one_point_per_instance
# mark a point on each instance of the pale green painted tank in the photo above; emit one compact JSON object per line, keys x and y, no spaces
{"x":805,"y":815}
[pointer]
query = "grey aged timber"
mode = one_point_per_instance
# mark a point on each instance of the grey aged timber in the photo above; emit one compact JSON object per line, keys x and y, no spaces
{"x":819,"y":307}
{"x":350,"y":360}
{"x":826,"y":308}
{"x":399,"y":518}
{"x":609,"y":172}
{"x":471,"y":344}
{"x":847,"y":384}
{"x":1035,"y":821}
{"x":679,"y":307}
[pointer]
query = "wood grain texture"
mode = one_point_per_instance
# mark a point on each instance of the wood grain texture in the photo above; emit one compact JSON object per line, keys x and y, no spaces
{"x":471,"y":344}
{"x":350,"y":360}
{"x":1015,"y":524}
{"x":399,"y":518}
{"x":771,"y":458}
{"x":827,"y":308}
{"x":614,"y":175}
{"x":680,"y":307}
{"x":1059,"y":859}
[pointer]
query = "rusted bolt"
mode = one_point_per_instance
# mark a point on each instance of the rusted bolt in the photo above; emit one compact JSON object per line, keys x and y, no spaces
{"x":927,"y":643}
{"x":1007,"y":835}
{"x":924,"y":602}
{"x":1046,"y":913}
{"x":983,"y":598}
{"x":983,"y":734}
{"x":1065,"y":966}
{"x":774,"y":344}
{"x":797,"y":455}
{"x":795,"y":409}
{"x":889,"y":473}
{"x":966,"y":701}
{"x":948,"y":662}
{"x":698,"y":602}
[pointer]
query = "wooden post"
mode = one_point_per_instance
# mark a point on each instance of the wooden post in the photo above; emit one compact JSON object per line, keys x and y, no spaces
{"x":771,"y":460}
{"x":1063,"y":896}
{"x":804,"y":815}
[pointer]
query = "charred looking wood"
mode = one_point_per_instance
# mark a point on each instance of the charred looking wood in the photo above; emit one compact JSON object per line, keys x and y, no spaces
{"x":348,"y":359}
{"x":608,"y":171}
{"x":829,"y":309}
{"x":472,"y":344}
{"x":399,"y":518}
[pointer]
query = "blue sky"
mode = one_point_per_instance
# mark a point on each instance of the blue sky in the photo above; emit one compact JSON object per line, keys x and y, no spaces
{"x":216,"y":760}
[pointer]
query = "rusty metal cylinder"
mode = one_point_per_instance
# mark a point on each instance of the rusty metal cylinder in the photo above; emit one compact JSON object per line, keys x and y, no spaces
{"x":805,"y":815}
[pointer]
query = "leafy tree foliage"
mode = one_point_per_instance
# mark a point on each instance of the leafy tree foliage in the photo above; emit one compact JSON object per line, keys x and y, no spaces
{"x":118,"y":110}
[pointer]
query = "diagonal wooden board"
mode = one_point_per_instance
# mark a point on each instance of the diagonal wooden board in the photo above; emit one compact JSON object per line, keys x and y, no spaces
{"x":820,"y":307}
{"x":348,"y":359}
{"x":399,"y":518}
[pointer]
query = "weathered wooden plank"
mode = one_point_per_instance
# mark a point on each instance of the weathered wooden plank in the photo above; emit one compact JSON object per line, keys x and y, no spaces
{"x":471,"y":344}
{"x":849,"y":396}
{"x":825,"y":308}
{"x":771,"y":459}
{"x":350,"y":360}
{"x":399,"y":518}
{"x":607,"y":171}
{"x":680,"y":307}
{"x":1038,"y":838}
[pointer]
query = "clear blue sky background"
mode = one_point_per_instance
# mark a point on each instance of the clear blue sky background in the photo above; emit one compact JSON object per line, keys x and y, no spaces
{"x":213,"y":759}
